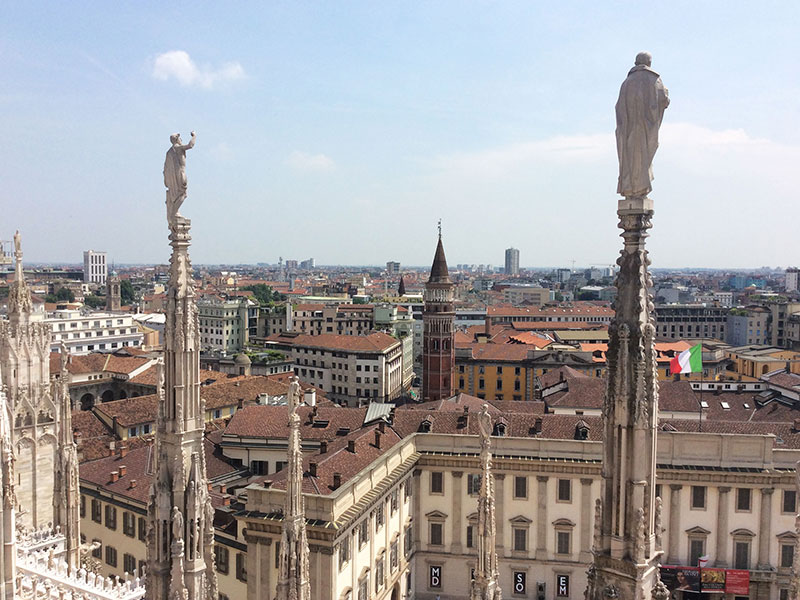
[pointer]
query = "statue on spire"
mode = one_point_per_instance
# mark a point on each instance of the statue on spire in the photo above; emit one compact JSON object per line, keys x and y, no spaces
{"x":175,"y":176}
{"x":485,"y":585}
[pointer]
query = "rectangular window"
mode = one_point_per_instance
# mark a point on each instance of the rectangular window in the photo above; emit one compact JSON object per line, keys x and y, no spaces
{"x":98,"y":548}
{"x":436,"y":534}
{"x":408,"y":540}
{"x":394,"y":553}
{"x":437,"y":482}
{"x":741,"y":551}
{"x":698,"y":496}
{"x":789,"y":501}
{"x":697,"y":548}
{"x":97,"y":512}
{"x":142,"y":529}
{"x":221,"y":555}
{"x":520,"y":539}
{"x":394,"y":500}
{"x":363,"y":588}
{"x":83,"y":506}
{"x":562,"y":542}
{"x":787,"y":555}
{"x":128,"y":524}
{"x":363,"y":532}
{"x":344,"y":551}
{"x":470,"y":533}
{"x":111,"y":556}
{"x":111,"y":517}
{"x":129,"y":563}
{"x":564,"y":490}
{"x":743,"y":496}
{"x":378,"y":574}
{"x":241,"y":566}
{"x":473,"y":484}
{"x":520,"y":488}
{"x":380,"y":516}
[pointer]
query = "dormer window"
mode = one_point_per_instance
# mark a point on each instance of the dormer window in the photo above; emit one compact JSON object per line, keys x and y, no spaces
{"x":499,"y":430}
{"x":425,"y":426}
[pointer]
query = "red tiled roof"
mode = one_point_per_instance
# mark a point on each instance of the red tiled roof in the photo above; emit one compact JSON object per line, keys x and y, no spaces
{"x":272,"y":421}
{"x":374,"y":342}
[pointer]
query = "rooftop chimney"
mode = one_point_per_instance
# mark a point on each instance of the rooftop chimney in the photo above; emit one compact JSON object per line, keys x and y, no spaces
{"x":226,"y":501}
{"x":323,"y":447}
{"x":267,"y":484}
{"x":351,"y":446}
{"x":377,"y":439}
{"x":114,"y":476}
{"x":123,"y":451}
{"x":132,"y":484}
{"x":223,"y":489}
{"x":796,"y":425}
{"x":537,"y":425}
{"x":123,"y":470}
{"x":337,"y":481}
{"x":382,"y":426}
{"x":312,"y":469}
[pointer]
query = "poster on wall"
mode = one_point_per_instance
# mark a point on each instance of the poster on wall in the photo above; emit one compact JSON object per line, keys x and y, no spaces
{"x":737,"y":582}
{"x":712,"y":580}
{"x":681,"y":579}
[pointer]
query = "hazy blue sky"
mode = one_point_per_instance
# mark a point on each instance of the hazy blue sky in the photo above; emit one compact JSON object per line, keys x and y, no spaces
{"x":343,"y":130}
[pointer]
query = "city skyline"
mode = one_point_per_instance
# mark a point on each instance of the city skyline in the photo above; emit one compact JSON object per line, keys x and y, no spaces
{"x":319,"y":124}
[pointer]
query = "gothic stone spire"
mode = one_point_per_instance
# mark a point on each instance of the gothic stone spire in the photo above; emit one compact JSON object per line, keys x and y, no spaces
{"x":485,"y":585}
{"x":627,"y":546}
{"x":33,"y":414}
{"x":180,"y":517}
{"x":67,"y":488}
{"x":8,"y":533}
{"x":293,"y":578}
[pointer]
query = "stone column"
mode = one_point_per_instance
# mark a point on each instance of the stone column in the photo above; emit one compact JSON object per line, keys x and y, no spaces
{"x":456,"y":523}
{"x":541,"y":518}
{"x":723,"y":508}
{"x":499,"y":511}
{"x":416,"y":498}
{"x":764,"y":528}
{"x":587,"y":520}
{"x":673,"y":543}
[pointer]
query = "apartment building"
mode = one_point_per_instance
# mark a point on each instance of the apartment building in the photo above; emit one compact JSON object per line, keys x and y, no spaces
{"x":83,"y":333}
{"x":341,"y":319}
{"x":350,"y":369}
{"x":586,"y":312}
{"x":225,"y":325}
{"x":687,"y":321}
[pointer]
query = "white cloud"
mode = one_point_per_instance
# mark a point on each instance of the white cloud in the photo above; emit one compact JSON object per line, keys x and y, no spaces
{"x":177,"y":64}
{"x":303,"y":161}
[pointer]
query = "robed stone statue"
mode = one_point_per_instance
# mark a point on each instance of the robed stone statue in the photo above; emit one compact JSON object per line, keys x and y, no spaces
{"x":640,"y":108}
{"x":175,"y":175}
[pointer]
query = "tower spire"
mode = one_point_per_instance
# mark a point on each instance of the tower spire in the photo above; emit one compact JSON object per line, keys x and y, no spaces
{"x":628,"y":538}
{"x":67,"y":487}
{"x":19,"y":296}
{"x":8,"y":533}
{"x":438,"y":318}
{"x":180,"y":538}
{"x":485,"y":585}
{"x":293,"y":578}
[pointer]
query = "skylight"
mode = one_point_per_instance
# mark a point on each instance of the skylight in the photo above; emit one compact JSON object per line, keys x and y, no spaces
{"x":725,"y":405}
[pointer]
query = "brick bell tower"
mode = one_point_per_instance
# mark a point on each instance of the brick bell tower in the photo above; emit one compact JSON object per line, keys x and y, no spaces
{"x":438,"y":318}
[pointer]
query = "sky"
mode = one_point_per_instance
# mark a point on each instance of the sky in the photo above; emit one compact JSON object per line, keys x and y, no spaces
{"x":343,"y":131}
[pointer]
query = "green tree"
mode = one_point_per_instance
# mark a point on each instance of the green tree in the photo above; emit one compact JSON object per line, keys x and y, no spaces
{"x":263,"y":293}
{"x":93,"y":301}
{"x":127,"y":295}
{"x":65,"y":295}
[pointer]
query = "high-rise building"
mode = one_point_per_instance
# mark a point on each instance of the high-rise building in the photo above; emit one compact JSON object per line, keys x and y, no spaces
{"x":792,"y":274}
{"x":438,"y":317}
{"x":95,"y":267}
{"x":512,"y":261}
{"x":392,"y":266}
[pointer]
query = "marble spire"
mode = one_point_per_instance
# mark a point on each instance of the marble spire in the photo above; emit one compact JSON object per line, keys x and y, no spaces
{"x":293,"y":577}
{"x":628,"y":541}
{"x":485,"y":584}
{"x":33,"y":414}
{"x":180,"y":537}
{"x":8,"y":529}
{"x":67,"y":487}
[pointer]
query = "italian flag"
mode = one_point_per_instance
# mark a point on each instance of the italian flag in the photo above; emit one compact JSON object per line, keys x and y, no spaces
{"x":688,"y":361}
